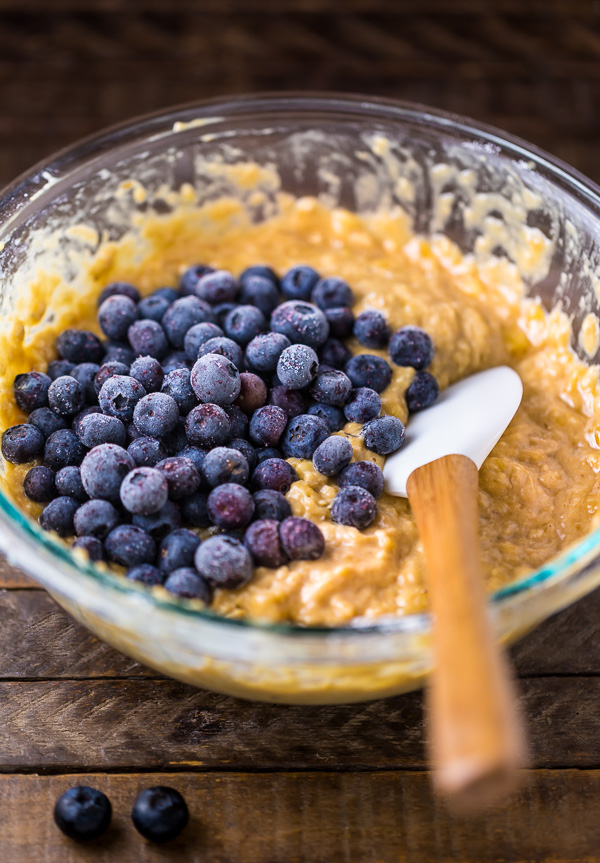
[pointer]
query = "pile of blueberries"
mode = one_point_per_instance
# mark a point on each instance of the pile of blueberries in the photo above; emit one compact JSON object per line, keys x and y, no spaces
{"x":187,"y":412}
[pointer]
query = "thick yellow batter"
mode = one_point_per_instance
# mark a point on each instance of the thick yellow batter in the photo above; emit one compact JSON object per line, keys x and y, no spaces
{"x":538,"y":489}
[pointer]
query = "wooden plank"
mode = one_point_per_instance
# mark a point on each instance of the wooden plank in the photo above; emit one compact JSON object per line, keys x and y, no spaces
{"x":316,"y":817}
{"x":161,"y":724}
{"x":10,"y":576}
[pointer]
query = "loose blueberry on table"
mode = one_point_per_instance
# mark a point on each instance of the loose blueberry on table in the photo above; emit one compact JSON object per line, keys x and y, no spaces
{"x":184,"y":418}
{"x":83,"y":813}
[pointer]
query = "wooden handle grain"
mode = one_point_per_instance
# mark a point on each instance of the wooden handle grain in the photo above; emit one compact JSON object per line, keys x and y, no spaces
{"x":476,"y":737}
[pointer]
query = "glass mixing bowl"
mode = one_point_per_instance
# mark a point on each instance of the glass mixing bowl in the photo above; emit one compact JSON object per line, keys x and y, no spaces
{"x":359,"y":153}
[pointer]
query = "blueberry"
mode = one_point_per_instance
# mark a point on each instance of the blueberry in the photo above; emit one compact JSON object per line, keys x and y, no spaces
{"x":217,"y":287}
{"x":144,"y":491}
{"x":177,"y":550}
{"x":223,"y":464}
{"x":253,"y":392}
{"x":120,"y":395}
{"x":411,"y":346}
{"x":186,"y":582}
{"x":244,"y":323}
{"x":118,"y":352}
{"x":195,"y":454}
{"x":171,"y":294}
{"x":175,"y":360}
{"x":422,"y":391}
{"x":94,"y":548}
{"x":96,"y":518}
{"x":363,"y":405}
{"x":289,"y":400}
{"x":270,"y":504}
{"x":160,"y":813}
{"x":58,"y":516}
{"x":160,"y":523}
{"x":78,"y":418}
{"x":332,"y":292}
{"x":354,"y":506}
{"x":265,"y":452}
{"x":22,"y":443}
{"x":372,"y":330}
{"x":297,"y":366}
{"x":238,"y":420}
{"x":129,"y":545}
{"x":182,"y":315}
{"x":369,"y":370}
{"x":260,"y":292}
{"x":62,"y":448}
{"x":341,"y":322}
{"x":82,"y":813}
{"x":365,"y":474}
{"x":332,"y":388}
{"x":303,"y":435}
{"x":132,"y":433}
{"x":154,"y":307}
{"x":149,"y":372}
{"x":333,"y":417}
{"x":103,"y":470}
{"x":298,"y":283}
{"x":146,"y":574}
{"x":109,"y":370}
{"x":182,"y":476}
{"x":230,"y":506}
{"x":39,"y":484}
{"x":31,"y":391}
{"x":208,"y":426}
{"x":215,"y":379}
{"x":85,"y":374}
{"x":190,"y":278}
{"x":68,"y":483}
{"x":246,"y":449}
{"x":66,"y":396}
{"x":156,"y":415}
{"x":263,"y":542}
{"x":79,"y":346}
{"x":275,"y":474}
{"x":119,"y":289}
{"x":59,"y":367}
{"x":225,"y":347}
{"x":261,"y":270}
{"x":148,"y":338}
{"x":333,"y":455}
{"x":264,"y":351}
{"x":334,"y":354}
{"x":224,"y":561}
{"x":198,"y":335}
{"x":301,"y":539}
{"x":116,"y":315}
{"x":384,"y":435}
{"x":267,"y":425}
{"x":303,"y":323}
{"x":195,"y":510}
{"x":95,"y":429}
{"x":221,"y":310}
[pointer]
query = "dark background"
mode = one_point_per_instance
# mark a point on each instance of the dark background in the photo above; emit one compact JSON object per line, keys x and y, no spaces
{"x":70,"y":67}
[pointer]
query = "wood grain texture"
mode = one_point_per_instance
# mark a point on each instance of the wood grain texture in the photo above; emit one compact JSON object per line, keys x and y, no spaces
{"x":10,"y":576}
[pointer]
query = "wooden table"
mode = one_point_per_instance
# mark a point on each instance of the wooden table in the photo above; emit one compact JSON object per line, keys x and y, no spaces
{"x":274,"y":783}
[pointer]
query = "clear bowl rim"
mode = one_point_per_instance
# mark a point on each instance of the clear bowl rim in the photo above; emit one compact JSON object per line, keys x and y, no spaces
{"x":94,"y":145}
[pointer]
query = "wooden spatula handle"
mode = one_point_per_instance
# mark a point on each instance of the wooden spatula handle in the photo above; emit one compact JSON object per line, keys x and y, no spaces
{"x":475,"y":730}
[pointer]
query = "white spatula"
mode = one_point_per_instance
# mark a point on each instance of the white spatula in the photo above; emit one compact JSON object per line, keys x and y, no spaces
{"x":476,"y":737}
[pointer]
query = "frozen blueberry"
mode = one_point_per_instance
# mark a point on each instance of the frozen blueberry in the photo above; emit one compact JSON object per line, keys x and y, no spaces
{"x":297,"y":366}
{"x":238,"y":420}
{"x":411,"y":346}
{"x":59,"y":367}
{"x":217,"y":287}
{"x":160,"y":813}
{"x":365,"y":474}
{"x":144,"y":491}
{"x":260,"y":292}
{"x":31,"y":391}
{"x":46,"y":421}
{"x":195,"y":510}
{"x":182,"y":475}
{"x":264,"y":351}
{"x":132,"y":433}
{"x":270,"y":504}
{"x":332,"y":388}
{"x":384,"y":435}
{"x":63,"y":447}
{"x":422,"y":391}
{"x":118,"y":352}
{"x":263,"y":542}
{"x":80,"y":346}
{"x":246,"y":449}
{"x":177,"y":385}
{"x":267,"y":425}
{"x":253,"y":393}
{"x":58,"y":516}
{"x":275,"y":474}
{"x":120,"y":395}
{"x":156,"y":415}
{"x":369,"y":370}
{"x":95,"y":429}
{"x":86,"y":412}
{"x":332,"y":455}
{"x":221,"y":310}
{"x":103,"y":470}
{"x":85,"y":374}
{"x":363,"y":405}
{"x":149,"y":372}
{"x":177,"y":550}
{"x":215,"y":379}
{"x":148,"y":338}
{"x":96,"y":518}
{"x":334,"y":354}
{"x":332,"y":292}
{"x":182,"y":315}
{"x":225,"y":347}
{"x":186,"y":582}
{"x":301,"y":539}
{"x":146,"y":451}
{"x":82,"y":813}
{"x":265,"y":452}
{"x":261,"y":270}
{"x":303,"y":435}
{"x":195,"y":454}
{"x":171,"y":294}
{"x":207,"y":426}
{"x":190,"y":278}
{"x":222,"y":560}
{"x":198,"y":335}
{"x":230,"y":506}
{"x":129,"y":545}
{"x":341,"y":322}
{"x":175,"y":360}
{"x":298,"y":283}
{"x":119,"y":289}
{"x":244,"y":323}
{"x":160,"y":523}
{"x":303,"y":323}
{"x":371,"y":329}
{"x":66,"y":396}
{"x":116,"y":315}
{"x":223,"y":464}
{"x":68,"y":483}
{"x":354,"y":506}
{"x":146,"y":574}
{"x":39,"y":484}
{"x":153,"y":307}
{"x":333,"y":417}
{"x":289,"y":400}
{"x":94,"y":548}
{"x":109,"y":370}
